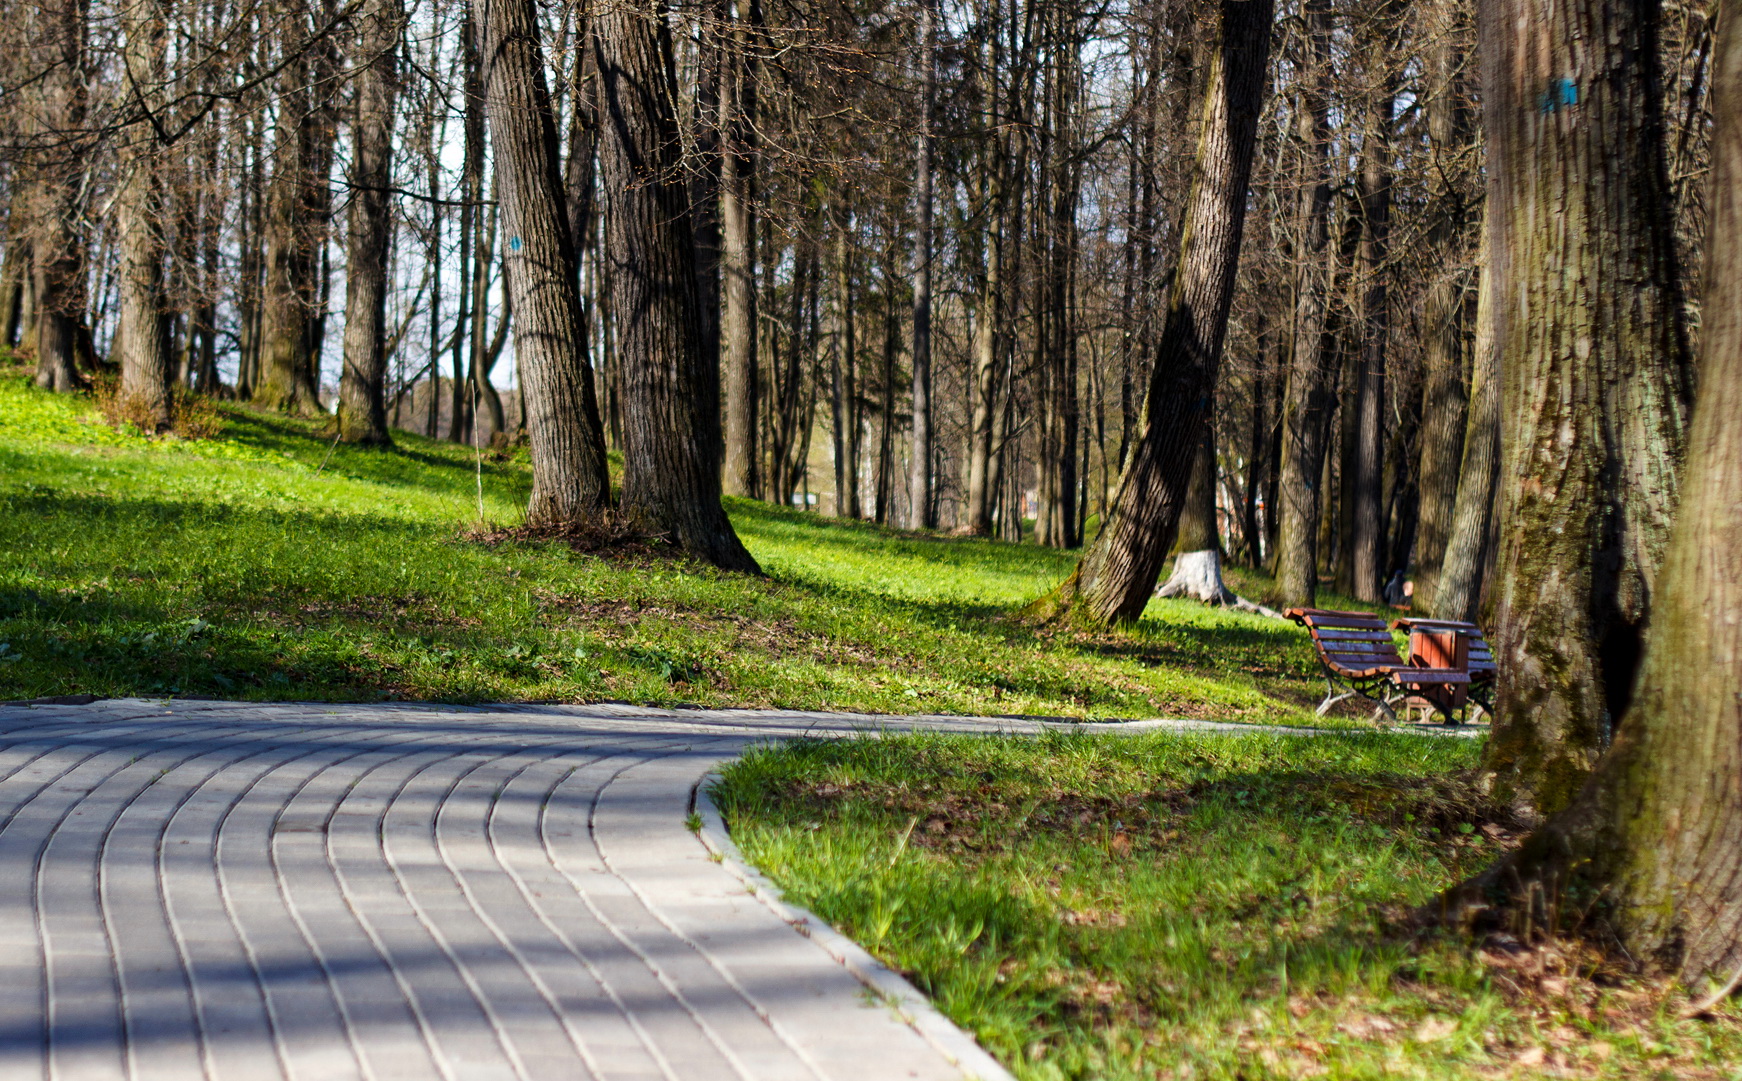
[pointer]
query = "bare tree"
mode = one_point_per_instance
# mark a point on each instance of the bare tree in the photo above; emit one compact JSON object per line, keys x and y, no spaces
{"x":671,"y":452}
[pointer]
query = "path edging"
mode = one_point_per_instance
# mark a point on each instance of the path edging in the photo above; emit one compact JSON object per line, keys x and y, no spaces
{"x":909,"y":1004}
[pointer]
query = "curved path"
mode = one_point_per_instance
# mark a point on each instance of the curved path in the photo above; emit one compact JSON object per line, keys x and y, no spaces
{"x":236,"y":891}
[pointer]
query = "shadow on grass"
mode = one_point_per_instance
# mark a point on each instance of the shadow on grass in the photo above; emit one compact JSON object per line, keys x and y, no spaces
{"x":151,"y":595}
{"x":412,"y":461}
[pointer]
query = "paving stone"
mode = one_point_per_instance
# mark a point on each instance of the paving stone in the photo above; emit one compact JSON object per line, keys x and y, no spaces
{"x":245,"y":892}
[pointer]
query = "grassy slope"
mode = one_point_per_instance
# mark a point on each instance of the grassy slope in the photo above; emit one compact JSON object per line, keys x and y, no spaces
{"x":1113,"y":907}
{"x":254,"y":565}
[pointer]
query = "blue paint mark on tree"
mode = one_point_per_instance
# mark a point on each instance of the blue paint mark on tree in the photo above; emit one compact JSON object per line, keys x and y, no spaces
{"x":513,"y":243}
{"x":1561,"y":94}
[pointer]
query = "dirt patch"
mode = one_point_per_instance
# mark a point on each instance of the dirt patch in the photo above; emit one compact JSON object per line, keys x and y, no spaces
{"x":606,"y":535}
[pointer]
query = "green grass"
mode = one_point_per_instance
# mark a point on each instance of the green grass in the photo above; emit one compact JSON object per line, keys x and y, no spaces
{"x":267,"y":563}
{"x":1110,"y":907}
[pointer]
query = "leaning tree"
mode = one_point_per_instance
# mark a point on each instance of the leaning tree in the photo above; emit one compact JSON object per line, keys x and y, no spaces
{"x":1116,"y":576}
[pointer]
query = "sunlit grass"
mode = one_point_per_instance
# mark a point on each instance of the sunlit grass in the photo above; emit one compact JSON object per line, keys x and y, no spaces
{"x":1111,"y":907}
{"x":269,"y":563}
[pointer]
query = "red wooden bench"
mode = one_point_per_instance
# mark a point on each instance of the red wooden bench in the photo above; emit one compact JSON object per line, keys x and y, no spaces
{"x":1358,"y":655}
{"x":1478,"y":657}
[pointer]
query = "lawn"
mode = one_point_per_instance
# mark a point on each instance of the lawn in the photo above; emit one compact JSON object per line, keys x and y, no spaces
{"x":267,"y":563}
{"x":1221,"y":906}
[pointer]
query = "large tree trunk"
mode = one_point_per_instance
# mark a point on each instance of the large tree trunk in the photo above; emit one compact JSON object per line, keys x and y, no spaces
{"x":363,"y":383}
{"x":1457,"y":593}
{"x":569,"y":482}
{"x":1368,"y":520}
{"x":1596,"y":375}
{"x":671,"y":453}
{"x":1307,"y":402}
{"x":1650,"y":848}
{"x":919,"y":493}
{"x":297,"y":203}
{"x":57,"y":245}
{"x":1115,"y":578}
{"x":1444,"y":418}
{"x":146,"y":374}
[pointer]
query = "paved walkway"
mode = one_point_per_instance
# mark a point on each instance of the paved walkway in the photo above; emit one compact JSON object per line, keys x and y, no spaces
{"x":239,"y":891}
{"x":235,"y":891}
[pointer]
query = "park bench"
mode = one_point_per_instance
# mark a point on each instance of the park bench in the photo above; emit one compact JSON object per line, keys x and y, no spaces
{"x":1359,"y":658}
{"x":1434,"y":641}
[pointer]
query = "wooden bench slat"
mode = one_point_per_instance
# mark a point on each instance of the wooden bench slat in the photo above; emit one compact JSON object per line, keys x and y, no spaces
{"x":1340,"y":635}
{"x":1363,"y":660}
{"x":1358,"y":645}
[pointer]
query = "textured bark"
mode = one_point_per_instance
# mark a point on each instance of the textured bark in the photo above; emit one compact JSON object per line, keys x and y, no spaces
{"x":569,"y":483}
{"x":738,"y":322}
{"x":1116,"y":576}
{"x":13,"y":274}
{"x":1650,"y":845}
{"x":919,"y":493}
{"x":671,"y":452}
{"x":297,"y":205}
{"x":53,"y":183}
{"x":1458,"y":591}
{"x":1307,"y":401}
{"x":1445,"y":407}
{"x":363,"y":382}
{"x":981,"y":489}
{"x":1367,"y":521}
{"x":143,"y":343}
{"x":1596,"y":375}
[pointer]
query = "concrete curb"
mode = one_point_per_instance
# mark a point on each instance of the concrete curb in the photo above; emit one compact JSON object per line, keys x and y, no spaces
{"x":909,"y":1004}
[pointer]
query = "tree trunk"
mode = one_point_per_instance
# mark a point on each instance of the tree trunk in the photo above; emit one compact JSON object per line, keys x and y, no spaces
{"x":919,"y":494}
{"x":57,"y":247}
{"x":671,"y":453}
{"x":363,"y":383}
{"x":1367,"y":535}
{"x":1650,"y":842}
{"x":1596,"y":370}
{"x":738,"y":321}
{"x":1307,"y":403}
{"x":1457,"y":593}
{"x":844,"y":389}
{"x":1115,"y":578}
{"x":1445,"y":404}
{"x":146,"y":374}
{"x":569,"y":484}
{"x":295,"y":223}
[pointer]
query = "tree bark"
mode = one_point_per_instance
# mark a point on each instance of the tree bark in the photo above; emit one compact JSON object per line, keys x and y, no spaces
{"x":1596,"y":375}
{"x":738,"y":329}
{"x":1445,"y":405}
{"x":146,"y":373}
{"x":569,"y":484}
{"x":52,"y":181}
{"x":297,"y":204}
{"x":1649,"y":846}
{"x":671,"y":453}
{"x":1116,"y":576}
{"x":844,"y":373}
{"x":363,"y":383}
{"x":919,"y":486}
{"x":1368,"y":521}
{"x":1457,"y":593}
{"x":1307,"y":403}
